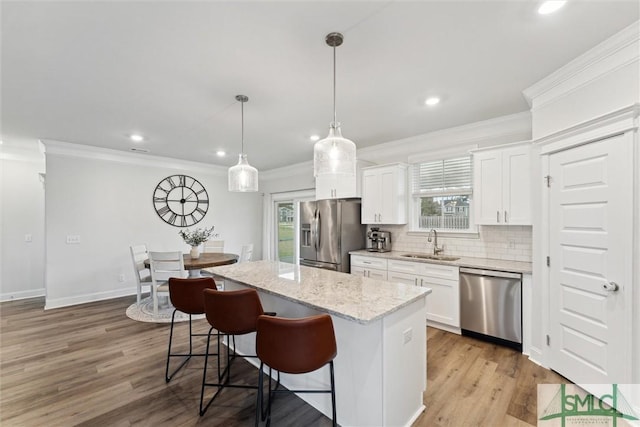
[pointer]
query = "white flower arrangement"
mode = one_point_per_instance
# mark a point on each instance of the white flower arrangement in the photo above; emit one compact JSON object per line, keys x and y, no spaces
{"x":197,"y":236}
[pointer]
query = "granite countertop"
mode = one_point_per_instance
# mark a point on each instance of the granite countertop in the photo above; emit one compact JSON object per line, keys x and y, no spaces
{"x":356,"y":298}
{"x":484,"y":263}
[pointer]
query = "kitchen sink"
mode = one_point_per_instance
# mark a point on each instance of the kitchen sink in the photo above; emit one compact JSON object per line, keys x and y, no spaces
{"x":433,"y":257}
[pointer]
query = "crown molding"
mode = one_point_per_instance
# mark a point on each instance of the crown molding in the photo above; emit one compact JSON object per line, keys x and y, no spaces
{"x":288,"y":171}
{"x":68,"y":149}
{"x":617,"y":51}
{"x":496,"y":131}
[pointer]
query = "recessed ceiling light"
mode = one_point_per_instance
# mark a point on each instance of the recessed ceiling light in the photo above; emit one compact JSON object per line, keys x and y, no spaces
{"x":432,"y":100}
{"x":314,"y":138}
{"x":136,"y":138}
{"x":220,"y":153}
{"x":550,"y":6}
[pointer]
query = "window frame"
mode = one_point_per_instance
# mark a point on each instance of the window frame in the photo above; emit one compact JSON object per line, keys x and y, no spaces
{"x":415,"y":201}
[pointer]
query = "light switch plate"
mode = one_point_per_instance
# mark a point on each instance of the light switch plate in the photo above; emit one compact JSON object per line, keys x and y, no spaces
{"x":28,"y":238}
{"x":73,"y":239}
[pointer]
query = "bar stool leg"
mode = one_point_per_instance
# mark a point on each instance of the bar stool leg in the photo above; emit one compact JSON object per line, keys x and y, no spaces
{"x":333,"y":394}
{"x":204,"y":371}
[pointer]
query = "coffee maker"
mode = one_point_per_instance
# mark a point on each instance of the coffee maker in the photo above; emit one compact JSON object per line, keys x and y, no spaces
{"x":378,"y":241}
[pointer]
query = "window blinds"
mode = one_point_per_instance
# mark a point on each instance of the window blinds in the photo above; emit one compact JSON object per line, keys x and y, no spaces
{"x":442,"y":177}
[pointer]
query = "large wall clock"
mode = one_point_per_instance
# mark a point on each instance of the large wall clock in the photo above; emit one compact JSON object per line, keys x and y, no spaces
{"x":180,"y":200}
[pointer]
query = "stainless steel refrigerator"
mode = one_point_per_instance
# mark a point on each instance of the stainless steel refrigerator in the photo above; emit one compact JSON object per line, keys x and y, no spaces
{"x":329,"y":229}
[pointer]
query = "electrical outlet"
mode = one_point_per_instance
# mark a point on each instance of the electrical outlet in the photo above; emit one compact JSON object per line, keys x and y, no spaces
{"x":73,"y":239}
{"x":28,"y":238}
{"x":121,"y":278}
{"x":408,"y":335}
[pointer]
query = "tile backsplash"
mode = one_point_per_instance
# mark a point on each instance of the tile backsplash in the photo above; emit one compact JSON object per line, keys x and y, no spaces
{"x":507,"y":242}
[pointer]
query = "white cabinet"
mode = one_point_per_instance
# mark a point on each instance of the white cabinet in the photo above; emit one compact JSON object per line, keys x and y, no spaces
{"x":384,"y":194}
{"x":443,"y":305}
{"x":372,"y":267}
{"x":336,"y":187}
{"x":502,"y":185}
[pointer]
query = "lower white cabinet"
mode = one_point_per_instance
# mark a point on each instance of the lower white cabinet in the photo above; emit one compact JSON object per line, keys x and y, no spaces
{"x":372,"y":267}
{"x":443,"y":305}
{"x":372,"y":273}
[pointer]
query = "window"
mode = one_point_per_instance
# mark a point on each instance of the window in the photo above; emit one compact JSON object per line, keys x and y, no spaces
{"x":442,"y":195}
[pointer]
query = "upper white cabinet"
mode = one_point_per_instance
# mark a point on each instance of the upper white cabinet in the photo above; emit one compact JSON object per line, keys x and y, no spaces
{"x":336,"y":187}
{"x":341,"y":186}
{"x":384,"y":194}
{"x":502,"y":185}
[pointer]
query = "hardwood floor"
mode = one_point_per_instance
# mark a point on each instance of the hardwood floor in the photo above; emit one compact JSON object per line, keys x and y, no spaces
{"x":90,"y":365}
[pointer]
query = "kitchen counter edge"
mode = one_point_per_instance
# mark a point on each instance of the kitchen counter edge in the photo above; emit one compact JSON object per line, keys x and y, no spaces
{"x":484,"y":263}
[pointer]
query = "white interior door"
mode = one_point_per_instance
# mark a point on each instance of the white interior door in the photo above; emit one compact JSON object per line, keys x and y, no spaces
{"x":590,"y":218}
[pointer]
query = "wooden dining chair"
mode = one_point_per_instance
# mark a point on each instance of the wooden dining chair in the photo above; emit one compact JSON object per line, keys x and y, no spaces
{"x":139,"y":255}
{"x":213,"y":246}
{"x":164,"y":265}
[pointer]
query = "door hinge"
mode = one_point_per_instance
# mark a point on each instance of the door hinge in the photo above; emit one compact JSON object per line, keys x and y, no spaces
{"x":548,"y":179}
{"x":548,"y":340}
{"x":548,"y":262}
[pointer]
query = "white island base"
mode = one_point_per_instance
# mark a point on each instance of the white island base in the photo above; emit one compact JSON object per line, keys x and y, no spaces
{"x":380,"y":369}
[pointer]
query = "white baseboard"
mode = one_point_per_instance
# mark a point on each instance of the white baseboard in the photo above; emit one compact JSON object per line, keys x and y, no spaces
{"x":448,"y":328}
{"x":31,"y":293}
{"x":82,"y":299}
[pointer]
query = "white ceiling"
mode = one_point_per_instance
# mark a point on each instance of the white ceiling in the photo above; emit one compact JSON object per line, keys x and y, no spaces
{"x":95,"y":72}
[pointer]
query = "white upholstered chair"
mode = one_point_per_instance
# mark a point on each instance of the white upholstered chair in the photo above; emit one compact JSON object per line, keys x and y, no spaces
{"x":213,"y":246}
{"x":246,"y":253}
{"x":142,"y":274}
{"x":163,"y":266}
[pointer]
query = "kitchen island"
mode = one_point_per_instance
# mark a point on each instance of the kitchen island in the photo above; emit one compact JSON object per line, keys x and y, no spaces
{"x":380,"y":368}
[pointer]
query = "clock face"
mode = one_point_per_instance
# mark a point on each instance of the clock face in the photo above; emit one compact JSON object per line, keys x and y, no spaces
{"x":180,"y":200}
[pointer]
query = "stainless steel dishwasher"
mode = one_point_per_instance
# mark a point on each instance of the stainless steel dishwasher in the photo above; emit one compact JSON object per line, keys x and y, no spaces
{"x":491,"y":306}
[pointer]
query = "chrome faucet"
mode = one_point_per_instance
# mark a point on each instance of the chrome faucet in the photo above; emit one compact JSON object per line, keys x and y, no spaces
{"x":436,"y":249}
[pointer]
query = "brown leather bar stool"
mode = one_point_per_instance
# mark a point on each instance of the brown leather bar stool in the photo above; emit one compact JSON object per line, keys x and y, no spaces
{"x":294,"y":346}
{"x":186,"y":296}
{"x":231,"y":313}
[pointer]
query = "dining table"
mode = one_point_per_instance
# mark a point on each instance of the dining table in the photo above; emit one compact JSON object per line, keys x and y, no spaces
{"x":205,"y":260}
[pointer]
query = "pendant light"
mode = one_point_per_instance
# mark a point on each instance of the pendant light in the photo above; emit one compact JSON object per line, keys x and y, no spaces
{"x":243,"y":177}
{"x":334,"y":155}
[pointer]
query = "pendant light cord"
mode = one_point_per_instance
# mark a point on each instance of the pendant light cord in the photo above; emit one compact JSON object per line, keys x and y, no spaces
{"x":335,"y":120}
{"x":242,"y":125}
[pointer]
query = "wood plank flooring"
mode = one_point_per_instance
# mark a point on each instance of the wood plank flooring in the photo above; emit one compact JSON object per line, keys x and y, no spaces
{"x":90,"y":365}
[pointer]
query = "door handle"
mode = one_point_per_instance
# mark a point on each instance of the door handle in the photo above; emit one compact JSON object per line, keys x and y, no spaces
{"x":610,"y":287}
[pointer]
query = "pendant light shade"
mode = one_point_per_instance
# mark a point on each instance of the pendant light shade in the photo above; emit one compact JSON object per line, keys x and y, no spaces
{"x":334,"y":155}
{"x":243,"y":177}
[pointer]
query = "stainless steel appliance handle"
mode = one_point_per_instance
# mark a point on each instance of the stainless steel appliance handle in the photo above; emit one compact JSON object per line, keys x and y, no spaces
{"x":318,"y":225}
{"x":490,"y":273}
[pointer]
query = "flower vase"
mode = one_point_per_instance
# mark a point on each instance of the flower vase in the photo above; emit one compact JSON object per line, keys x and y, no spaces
{"x":195,"y":253}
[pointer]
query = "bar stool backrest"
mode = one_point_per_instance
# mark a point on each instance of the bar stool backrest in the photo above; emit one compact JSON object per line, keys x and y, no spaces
{"x":187,"y":294}
{"x":233,"y":312}
{"x":296,"y":346}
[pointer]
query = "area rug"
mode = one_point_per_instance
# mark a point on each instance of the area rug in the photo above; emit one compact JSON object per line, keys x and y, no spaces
{"x":144,"y":312}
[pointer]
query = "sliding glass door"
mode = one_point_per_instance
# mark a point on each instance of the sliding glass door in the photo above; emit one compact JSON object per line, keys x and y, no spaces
{"x":285,"y":232}
{"x":286,"y":224}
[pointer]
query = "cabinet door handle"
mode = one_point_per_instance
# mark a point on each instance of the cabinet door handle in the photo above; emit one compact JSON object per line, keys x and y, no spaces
{"x":415,"y":281}
{"x":505,"y":216}
{"x":421,"y":282}
{"x":497,"y":216}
